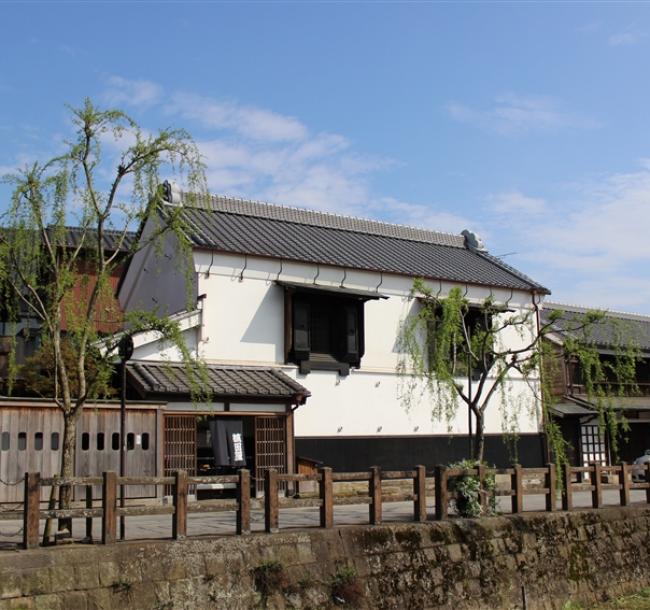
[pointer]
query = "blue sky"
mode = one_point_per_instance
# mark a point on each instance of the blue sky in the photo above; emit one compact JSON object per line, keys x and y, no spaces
{"x":528,"y":123}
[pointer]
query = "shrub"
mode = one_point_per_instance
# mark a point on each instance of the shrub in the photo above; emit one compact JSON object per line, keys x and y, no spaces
{"x":468,"y":491}
{"x":345,"y":587}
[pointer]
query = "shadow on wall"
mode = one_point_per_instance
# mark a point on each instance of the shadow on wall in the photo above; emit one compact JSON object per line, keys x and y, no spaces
{"x":267,"y":324}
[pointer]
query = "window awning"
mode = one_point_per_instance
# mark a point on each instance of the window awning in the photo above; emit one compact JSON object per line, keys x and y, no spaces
{"x":353,"y":293}
{"x":565,"y":409}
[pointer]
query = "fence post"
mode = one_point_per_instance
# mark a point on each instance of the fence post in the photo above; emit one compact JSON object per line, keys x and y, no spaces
{"x":326,"y":492}
{"x":420,"y":494}
{"x":567,"y":492}
{"x":375,"y":495}
{"x":517,"y":489}
{"x":89,"y":520}
{"x":109,"y":497}
{"x":551,"y":483}
{"x":31,"y":508}
{"x":625,"y":484}
{"x":647,"y":480}
{"x":179,"y":522}
{"x":244,"y":502}
{"x":442,"y":493}
{"x":271,"y":512}
{"x":597,"y":492}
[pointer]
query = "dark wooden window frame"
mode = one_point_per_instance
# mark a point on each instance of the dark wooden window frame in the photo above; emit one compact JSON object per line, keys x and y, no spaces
{"x":346,"y":351}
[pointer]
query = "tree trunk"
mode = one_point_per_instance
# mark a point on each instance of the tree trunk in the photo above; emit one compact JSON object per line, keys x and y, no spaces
{"x":68,"y":450}
{"x":479,"y":438}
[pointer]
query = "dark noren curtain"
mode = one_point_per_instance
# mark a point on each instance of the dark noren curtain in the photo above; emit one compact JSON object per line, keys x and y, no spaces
{"x":227,"y":437}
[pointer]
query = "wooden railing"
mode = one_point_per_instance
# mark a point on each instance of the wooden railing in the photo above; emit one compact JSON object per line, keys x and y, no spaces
{"x":442,"y":478}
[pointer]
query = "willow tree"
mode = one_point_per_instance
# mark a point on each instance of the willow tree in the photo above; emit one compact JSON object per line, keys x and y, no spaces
{"x":454,"y":351}
{"x":106,"y":183}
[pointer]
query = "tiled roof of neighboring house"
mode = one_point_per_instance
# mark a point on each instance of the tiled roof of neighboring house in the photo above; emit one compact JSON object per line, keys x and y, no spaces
{"x":249,"y":227}
{"x":153,"y":377}
{"x":614,"y":330}
{"x":111,"y":238}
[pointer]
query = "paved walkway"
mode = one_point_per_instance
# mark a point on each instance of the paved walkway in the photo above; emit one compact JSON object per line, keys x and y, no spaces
{"x":223,"y":523}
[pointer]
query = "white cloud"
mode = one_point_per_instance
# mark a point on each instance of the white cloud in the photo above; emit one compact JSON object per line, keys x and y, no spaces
{"x":138,"y":93}
{"x":626,"y":38}
{"x":421,"y":215}
{"x":514,"y":114}
{"x":260,"y":154}
{"x":248,"y":121}
{"x":515,"y":202}
{"x":587,"y":241}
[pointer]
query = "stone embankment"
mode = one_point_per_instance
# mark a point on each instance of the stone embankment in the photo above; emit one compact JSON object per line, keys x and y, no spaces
{"x":532,"y":561}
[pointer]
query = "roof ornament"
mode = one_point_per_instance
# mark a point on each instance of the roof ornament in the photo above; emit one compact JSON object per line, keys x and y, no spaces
{"x":277,"y":279}
{"x":437,"y":297}
{"x":381,"y":281}
{"x":317,"y":274}
{"x":512,"y":293}
{"x":172,"y":192}
{"x":345,"y":276}
{"x":473,"y":241}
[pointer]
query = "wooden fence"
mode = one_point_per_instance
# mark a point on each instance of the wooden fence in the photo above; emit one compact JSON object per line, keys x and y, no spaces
{"x":443,"y":478}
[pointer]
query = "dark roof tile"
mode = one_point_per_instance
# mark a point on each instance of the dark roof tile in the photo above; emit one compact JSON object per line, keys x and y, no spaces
{"x":244,"y":227}
{"x":616,"y":329}
{"x":153,"y":377}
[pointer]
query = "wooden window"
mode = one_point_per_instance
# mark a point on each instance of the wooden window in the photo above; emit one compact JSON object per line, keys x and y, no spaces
{"x":54,"y":441}
{"x":38,"y":441}
{"x":145,"y":441}
{"x":100,"y":441}
{"x":85,"y":441}
{"x":115,"y":441}
{"x":5,"y":442}
{"x":22,"y":441}
{"x":130,"y":441}
{"x":324,"y":332}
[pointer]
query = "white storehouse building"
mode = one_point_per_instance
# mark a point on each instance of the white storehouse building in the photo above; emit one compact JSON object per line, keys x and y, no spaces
{"x":297,"y":316}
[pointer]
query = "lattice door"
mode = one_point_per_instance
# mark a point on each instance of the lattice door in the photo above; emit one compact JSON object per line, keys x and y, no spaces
{"x":592,"y":445}
{"x":270,"y":447}
{"x":179,"y":451}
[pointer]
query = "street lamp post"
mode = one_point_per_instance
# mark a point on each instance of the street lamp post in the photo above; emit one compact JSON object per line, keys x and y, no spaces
{"x":125,"y":350}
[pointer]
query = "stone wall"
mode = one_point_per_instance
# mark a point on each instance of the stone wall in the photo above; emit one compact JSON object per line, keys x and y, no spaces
{"x":492,"y":563}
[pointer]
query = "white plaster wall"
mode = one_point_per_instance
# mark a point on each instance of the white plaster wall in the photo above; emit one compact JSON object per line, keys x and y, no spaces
{"x":162,"y":350}
{"x":243,"y":317}
{"x":370,"y":404}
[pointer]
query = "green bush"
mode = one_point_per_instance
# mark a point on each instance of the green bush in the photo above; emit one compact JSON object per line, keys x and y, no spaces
{"x":468,"y":491}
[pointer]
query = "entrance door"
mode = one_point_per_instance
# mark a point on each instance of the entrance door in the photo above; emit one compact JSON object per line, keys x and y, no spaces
{"x":180,"y":445}
{"x":270,"y":447}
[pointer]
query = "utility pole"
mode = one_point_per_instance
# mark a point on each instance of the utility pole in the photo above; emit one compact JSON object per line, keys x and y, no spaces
{"x":125,"y":350}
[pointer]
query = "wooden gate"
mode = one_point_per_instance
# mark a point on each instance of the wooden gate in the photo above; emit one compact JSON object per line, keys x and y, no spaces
{"x":270,"y":447}
{"x":179,"y":451}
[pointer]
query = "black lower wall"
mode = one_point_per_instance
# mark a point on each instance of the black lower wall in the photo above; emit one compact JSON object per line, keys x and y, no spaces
{"x":401,"y":453}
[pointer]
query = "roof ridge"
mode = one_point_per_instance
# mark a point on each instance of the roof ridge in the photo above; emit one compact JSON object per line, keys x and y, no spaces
{"x":345,"y":222}
{"x":626,"y":315}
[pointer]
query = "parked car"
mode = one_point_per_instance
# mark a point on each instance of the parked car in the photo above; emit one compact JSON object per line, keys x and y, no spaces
{"x":639,"y":475}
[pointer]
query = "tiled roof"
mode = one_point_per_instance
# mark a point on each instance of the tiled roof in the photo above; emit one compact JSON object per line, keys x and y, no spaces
{"x":72,"y":238}
{"x":248,"y":227}
{"x":153,"y":377}
{"x":614,"y":330}
{"x":243,"y":207}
